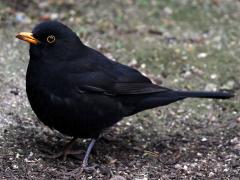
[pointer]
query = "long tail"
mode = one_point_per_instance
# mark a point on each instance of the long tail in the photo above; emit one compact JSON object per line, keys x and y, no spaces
{"x":202,"y":94}
{"x":168,"y":97}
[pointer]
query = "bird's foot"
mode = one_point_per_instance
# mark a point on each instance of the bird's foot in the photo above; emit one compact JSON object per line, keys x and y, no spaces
{"x":76,"y":173}
{"x":89,"y":169}
{"x":67,"y":151}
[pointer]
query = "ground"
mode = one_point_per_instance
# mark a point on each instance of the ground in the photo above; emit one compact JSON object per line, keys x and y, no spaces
{"x":187,"y":44}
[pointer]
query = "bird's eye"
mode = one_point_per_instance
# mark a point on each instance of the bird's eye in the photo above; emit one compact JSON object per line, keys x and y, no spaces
{"x":51,"y":39}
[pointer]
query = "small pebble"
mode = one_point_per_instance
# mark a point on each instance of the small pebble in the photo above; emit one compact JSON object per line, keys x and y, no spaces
{"x":15,"y":166}
{"x":202,"y":55}
{"x":213,"y":76}
{"x":211,"y":174}
{"x":178,"y":166}
{"x":118,"y":178}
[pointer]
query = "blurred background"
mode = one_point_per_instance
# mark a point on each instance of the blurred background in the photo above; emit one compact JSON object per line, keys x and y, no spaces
{"x":187,"y":44}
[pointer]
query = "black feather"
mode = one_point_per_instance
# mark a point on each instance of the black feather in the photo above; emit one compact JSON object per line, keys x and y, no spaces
{"x":80,"y":92}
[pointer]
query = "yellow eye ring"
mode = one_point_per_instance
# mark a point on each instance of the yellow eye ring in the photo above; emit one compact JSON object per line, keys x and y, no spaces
{"x":51,"y":39}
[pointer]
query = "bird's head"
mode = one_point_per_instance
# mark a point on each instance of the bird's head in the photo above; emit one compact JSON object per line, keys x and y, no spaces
{"x":51,"y":38}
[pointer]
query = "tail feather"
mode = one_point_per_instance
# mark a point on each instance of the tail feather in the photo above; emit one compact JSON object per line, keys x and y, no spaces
{"x":204,"y":94}
{"x":168,"y":97}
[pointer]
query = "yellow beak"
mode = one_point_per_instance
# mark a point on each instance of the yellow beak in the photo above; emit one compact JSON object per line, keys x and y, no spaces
{"x":28,"y":37}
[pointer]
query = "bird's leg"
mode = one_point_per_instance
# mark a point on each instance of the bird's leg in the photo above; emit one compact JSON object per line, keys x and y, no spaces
{"x":67,"y":150}
{"x":86,"y":157}
{"x":88,"y":169}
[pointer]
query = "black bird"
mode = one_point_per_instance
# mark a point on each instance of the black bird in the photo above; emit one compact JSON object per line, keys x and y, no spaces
{"x":80,"y":92}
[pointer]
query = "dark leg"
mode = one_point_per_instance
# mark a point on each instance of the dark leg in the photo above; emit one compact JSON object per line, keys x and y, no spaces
{"x":89,"y":149}
{"x":77,"y":172}
{"x":67,"y":150}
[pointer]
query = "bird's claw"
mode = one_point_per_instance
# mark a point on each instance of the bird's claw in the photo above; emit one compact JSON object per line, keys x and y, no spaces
{"x":89,"y":169}
{"x":76,"y":173}
{"x":52,"y":155}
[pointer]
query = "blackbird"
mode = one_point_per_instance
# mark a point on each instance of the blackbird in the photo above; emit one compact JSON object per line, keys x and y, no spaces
{"x":80,"y":92}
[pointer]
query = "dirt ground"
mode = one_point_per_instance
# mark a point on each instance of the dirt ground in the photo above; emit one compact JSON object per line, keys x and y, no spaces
{"x":187,"y":44}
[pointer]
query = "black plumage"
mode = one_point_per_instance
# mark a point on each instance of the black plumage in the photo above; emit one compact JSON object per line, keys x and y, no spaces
{"x":80,"y":92}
